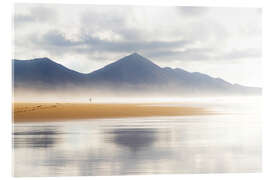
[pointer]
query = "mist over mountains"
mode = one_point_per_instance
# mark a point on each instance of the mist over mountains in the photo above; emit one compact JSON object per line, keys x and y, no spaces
{"x":133,"y":74}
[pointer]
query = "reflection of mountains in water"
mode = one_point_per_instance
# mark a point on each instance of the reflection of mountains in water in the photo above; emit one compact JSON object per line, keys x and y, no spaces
{"x":134,"y":138}
{"x":133,"y":73}
{"x":36,"y":139}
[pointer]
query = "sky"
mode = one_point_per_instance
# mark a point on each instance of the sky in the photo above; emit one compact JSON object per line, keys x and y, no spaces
{"x":219,"y":41}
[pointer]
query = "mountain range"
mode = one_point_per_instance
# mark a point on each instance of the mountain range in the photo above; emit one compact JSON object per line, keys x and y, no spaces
{"x":133,"y":73}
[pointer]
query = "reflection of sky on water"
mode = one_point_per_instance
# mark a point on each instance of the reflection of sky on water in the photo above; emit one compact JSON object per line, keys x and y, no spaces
{"x":199,"y":144}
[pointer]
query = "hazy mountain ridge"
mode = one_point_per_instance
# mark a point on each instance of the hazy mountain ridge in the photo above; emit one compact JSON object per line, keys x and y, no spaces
{"x":133,"y":73}
{"x":44,"y":72}
{"x":133,"y":69}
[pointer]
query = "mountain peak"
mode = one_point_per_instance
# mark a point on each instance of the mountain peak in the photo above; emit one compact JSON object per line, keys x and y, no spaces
{"x":132,"y":61}
{"x":133,"y":68}
{"x":35,"y":59}
{"x":135,"y":57}
{"x":43,"y":59}
{"x":135,"y":54}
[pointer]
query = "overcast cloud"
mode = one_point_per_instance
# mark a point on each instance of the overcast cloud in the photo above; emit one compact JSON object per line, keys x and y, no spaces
{"x":216,"y":41}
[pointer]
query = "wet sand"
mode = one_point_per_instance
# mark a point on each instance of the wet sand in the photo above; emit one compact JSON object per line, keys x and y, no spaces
{"x":42,"y":112}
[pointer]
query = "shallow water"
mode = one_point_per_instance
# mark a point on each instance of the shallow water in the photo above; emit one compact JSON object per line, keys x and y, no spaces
{"x":222,"y":143}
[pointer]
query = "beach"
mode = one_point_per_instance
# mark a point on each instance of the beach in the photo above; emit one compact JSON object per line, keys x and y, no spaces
{"x":182,"y":136}
{"x":42,"y":112}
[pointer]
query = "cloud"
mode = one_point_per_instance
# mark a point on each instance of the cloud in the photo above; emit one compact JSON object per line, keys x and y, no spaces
{"x":58,"y":43}
{"x":240,"y":54}
{"x":120,"y":29}
{"x":57,"y":39}
{"x":117,"y":24}
{"x":190,"y":11}
{"x":205,"y":54}
{"x":36,"y":14}
{"x":22,"y":18}
{"x":43,"y":13}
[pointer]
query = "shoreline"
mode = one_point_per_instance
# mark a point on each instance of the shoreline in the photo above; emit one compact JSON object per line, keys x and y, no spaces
{"x":50,"y":112}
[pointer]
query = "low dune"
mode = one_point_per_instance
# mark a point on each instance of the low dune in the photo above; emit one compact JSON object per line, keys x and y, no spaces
{"x":39,"y":112}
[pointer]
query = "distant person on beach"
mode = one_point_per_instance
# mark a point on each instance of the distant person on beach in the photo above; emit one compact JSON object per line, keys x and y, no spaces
{"x":90,"y":100}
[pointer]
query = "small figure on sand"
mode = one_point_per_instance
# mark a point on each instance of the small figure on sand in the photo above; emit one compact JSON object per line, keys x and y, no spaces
{"x":90,"y":100}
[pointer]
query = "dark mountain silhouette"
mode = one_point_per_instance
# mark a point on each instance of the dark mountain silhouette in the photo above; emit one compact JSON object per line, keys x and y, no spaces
{"x":132,"y":73}
{"x":132,"y":69}
{"x":43,"y":72}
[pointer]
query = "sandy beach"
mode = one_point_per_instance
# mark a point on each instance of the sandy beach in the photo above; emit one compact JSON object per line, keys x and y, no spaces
{"x":37,"y":112}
